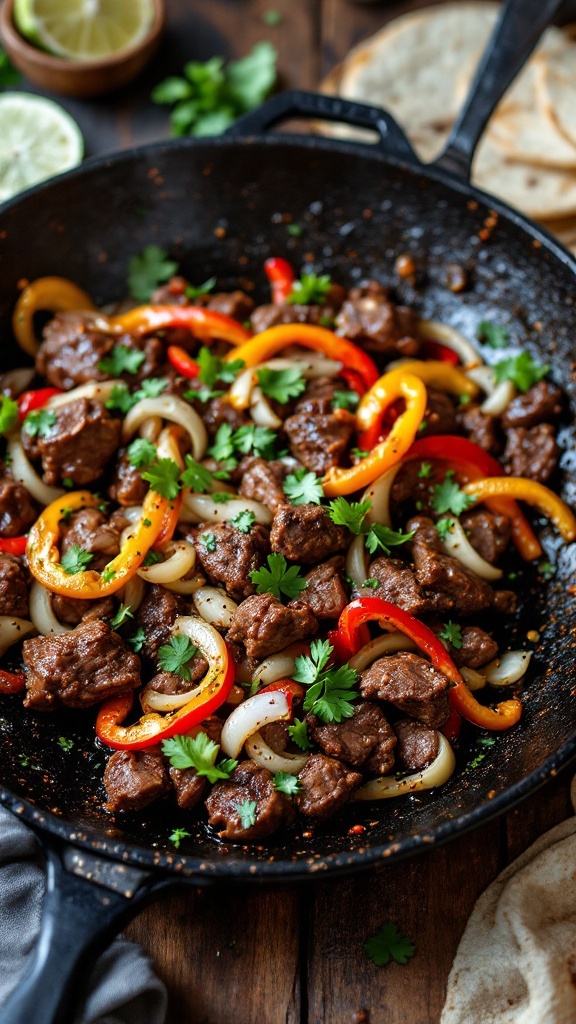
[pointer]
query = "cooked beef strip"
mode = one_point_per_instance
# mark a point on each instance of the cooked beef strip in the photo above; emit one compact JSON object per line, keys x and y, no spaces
{"x":217,"y":411}
{"x":479,"y":427}
{"x":306,"y":534}
{"x":327,"y":785}
{"x":417,"y":745}
{"x":478,"y":648}
{"x":264,"y":625}
{"x":409,"y":486}
{"x":370,"y":318}
{"x":170,"y":683}
{"x":73,"y":610}
{"x":245,"y":666}
{"x":13,"y":587}
{"x":541,"y":404}
{"x":79,"y":668}
{"x":134,"y":778}
{"x":18,"y":510}
{"x":236,"y":304}
{"x":91,"y":531}
{"x":79,"y":445}
{"x":235,"y":555}
{"x":190,"y":788}
{"x":410,"y":683}
{"x":397,"y":583}
{"x":262,"y":481}
{"x":366,"y":736}
{"x":505,"y":602}
{"x":318,"y":434}
{"x":248,"y":782}
{"x":156,"y":615}
{"x":531,"y":452}
{"x":439,"y":572}
{"x":127,"y":487}
{"x":488,"y":533}
{"x":325,"y":593}
{"x":440,"y":414}
{"x":272,"y":314}
{"x":276,"y":735}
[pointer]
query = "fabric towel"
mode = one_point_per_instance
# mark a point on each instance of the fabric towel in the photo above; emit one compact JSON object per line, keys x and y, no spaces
{"x":516,"y":962}
{"x":122,"y":987}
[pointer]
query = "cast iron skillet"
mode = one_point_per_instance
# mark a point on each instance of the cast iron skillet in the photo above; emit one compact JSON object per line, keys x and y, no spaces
{"x":221,"y":207}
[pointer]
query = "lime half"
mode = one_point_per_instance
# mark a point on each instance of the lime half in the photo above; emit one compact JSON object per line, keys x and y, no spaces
{"x":84,"y":29}
{"x":39,"y":139}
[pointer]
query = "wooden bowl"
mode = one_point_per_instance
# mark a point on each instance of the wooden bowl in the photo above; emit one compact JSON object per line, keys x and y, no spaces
{"x":78,"y":77}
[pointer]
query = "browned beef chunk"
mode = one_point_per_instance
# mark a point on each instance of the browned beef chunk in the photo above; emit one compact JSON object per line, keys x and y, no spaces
{"x":13,"y":587}
{"x":478,"y":648}
{"x":369,"y":317}
{"x":326,"y":786}
{"x":409,"y":486}
{"x":134,"y":778}
{"x":319,"y":435}
{"x":18,"y":510}
{"x":505,"y":601}
{"x":397,"y":583}
{"x":83,"y":439}
{"x":417,"y":745}
{"x":531,"y":452}
{"x":410,"y":683}
{"x":276,"y":735}
{"x":264,"y":625}
{"x":488,"y":533}
{"x":190,"y":788}
{"x":173,"y":293}
{"x":439,"y":572}
{"x":235,"y":304}
{"x":127,"y":487}
{"x":306,"y":534}
{"x":234,"y":557}
{"x":325,"y":593}
{"x":92,"y":532}
{"x":262,"y":481}
{"x":248,"y":783}
{"x":440,"y":414}
{"x":272,"y":314}
{"x":216,"y":412}
{"x":79,"y":668}
{"x":541,"y":404}
{"x":245,"y":666}
{"x":73,"y":610}
{"x":479,"y":426}
{"x":156,"y":615}
{"x":366,"y":735}
{"x":170,"y":683}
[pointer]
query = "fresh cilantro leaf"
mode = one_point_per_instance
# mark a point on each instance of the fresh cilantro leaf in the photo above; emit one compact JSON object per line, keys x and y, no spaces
{"x":327,"y":321}
{"x":147,"y":522}
{"x":194,"y":292}
{"x":9,"y":76}
{"x":272,"y":18}
{"x":389,"y":944}
{"x":151,"y":388}
{"x":484,"y":742}
{"x":425,"y":470}
{"x":108,"y":575}
{"x":451,"y":632}
{"x":209,"y":541}
{"x":286,"y":783}
{"x":66,"y":514}
{"x":295,"y":230}
{"x":196,"y":477}
{"x":547,"y":570}
{"x":303,"y":488}
{"x":278,"y":579}
{"x":522,"y":370}
{"x":152,"y":558}
{"x":359,"y":453}
{"x":349,"y":513}
{"x":422,"y":426}
{"x":202,"y":394}
{"x":383,"y":537}
{"x":68,"y":482}
{"x":330,"y":690}
{"x":177,"y":836}
{"x":247,"y":813}
{"x":310,"y":289}
{"x":464,"y":399}
{"x":148,"y":270}
{"x":308,"y":669}
{"x":298,"y":733}
{"x":493,"y":334}
{"x":141,"y":453}
{"x":8,"y":414}
{"x":372,"y":583}
{"x":121,"y":399}
{"x":244,"y":521}
{"x":76,"y":559}
{"x":213,"y":368}
{"x":281,"y":385}
{"x":345,"y":400}
{"x":173,"y":657}
{"x":221,"y":497}
{"x":137,"y":641}
{"x":163,"y":475}
{"x":39,"y":423}
{"x":122,"y":615}
{"x":65,"y":744}
{"x":198,"y":752}
{"x":449,"y":498}
{"x":122,"y":360}
{"x":258,"y":440}
{"x":444,"y":526}
{"x":222,"y":447}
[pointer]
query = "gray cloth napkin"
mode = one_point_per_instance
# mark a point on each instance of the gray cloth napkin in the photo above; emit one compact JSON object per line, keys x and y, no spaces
{"x":122,"y":987}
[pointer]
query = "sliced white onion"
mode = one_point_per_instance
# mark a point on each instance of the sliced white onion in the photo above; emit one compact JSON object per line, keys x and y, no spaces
{"x":99,"y":392}
{"x":152,"y":700}
{"x":204,"y":509}
{"x":240,"y":391}
{"x":261,"y":411}
{"x":151,"y":429}
{"x":277,"y":666}
{"x":132,"y":512}
{"x":13,"y":629}
{"x":435,"y":775}
{"x":474,"y":680}
{"x":17,"y":381}
{"x":180,"y":562}
{"x":435,"y":330}
{"x":23,"y":471}
{"x":133,"y":593}
{"x":499,"y":396}
{"x":263,"y":755}
{"x":214,"y":605}
{"x":507,"y":669}
{"x":250,"y":716}
{"x":456,"y":543}
{"x":42,"y":613}
{"x":378,"y":494}
{"x":211,"y":646}
{"x":172,"y":408}
{"x":356,"y":561}
{"x":381,"y":645}
{"x":187,"y":586}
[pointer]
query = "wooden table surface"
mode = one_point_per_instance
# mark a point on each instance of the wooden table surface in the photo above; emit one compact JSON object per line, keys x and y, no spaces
{"x":294,"y":955}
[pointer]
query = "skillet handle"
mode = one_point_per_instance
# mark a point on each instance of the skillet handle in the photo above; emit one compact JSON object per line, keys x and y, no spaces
{"x":518,"y":29}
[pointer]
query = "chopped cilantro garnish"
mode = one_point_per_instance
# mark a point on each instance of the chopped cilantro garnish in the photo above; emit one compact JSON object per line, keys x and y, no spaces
{"x":198,"y":752}
{"x":177,"y":836}
{"x":213,"y":368}
{"x":122,"y":360}
{"x":222,"y":448}
{"x":273,"y":18}
{"x":372,"y":583}
{"x":298,"y":733}
{"x":66,"y":514}
{"x":196,"y":477}
{"x":522,"y":370}
{"x":383,"y":537}
{"x":137,"y":641}
{"x":465,"y":399}
{"x":310,"y":289}
{"x":303,"y":488}
{"x":425,"y":470}
{"x":163,"y":475}
{"x":152,"y":558}
{"x":281,"y":385}
{"x":76,"y":559}
{"x":65,"y":744}
{"x":493,"y":334}
{"x":121,"y":399}
{"x":287,"y":784}
{"x":484,"y":742}
{"x":108,"y":575}
{"x":244,"y":521}
{"x":349,"y":513}
{"x":449,"y":498}
{"x":359,"y":453}
{"x":194,"y":291}
{"x":278,"y":579}
{"x":345,"y":399}
{"x":208,"y":541}
{"x":221,"y":497}
{"x":389,"y":944}
{"x":141,"y":453}
{"x":258,"y":440}
{"x":330,"y":690}
{"x":174,"y":657}
{"x":39,"y":423}
{"x":8,"y":414}
{"x":451,"y":633}
{"x":247,"y":813}
{"x":122,"y":615}
{"x":444,"y":526}
{"x":151,"y":388}
{"x":295,"y":230}
{"x":547,"y":570}
{"x":148,"y":270}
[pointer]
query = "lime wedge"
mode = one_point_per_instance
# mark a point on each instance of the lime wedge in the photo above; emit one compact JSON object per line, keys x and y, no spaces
{"x":84,"y":29}
{"x":39,"y":139}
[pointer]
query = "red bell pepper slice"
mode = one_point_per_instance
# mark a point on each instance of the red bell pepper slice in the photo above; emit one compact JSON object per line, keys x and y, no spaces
{"x":31,"y":400}
{"x":354,"y":380}
{"x":182,"y":362}
{"x":12,"y":682}
{"x":452,"y":725}
{"x":281,"y":277}
{"x":169,"y":524}
{"x":13,"y":545}
{"x":291,"y":690}
{"x":435,"y":350}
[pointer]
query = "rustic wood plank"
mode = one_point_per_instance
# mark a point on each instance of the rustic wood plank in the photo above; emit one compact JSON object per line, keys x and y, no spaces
{"x":538,"y":813}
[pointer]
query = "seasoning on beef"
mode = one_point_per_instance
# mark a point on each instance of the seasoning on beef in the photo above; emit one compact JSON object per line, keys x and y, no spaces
{"x":410,"y":683}
{"x":13,"y":587}
{"x":234,"y":557}
{"x":306,"y":534}
{"x":127,"y":487}
{"x":190,"y":788}
{"x":170,"y":683}
{"x":272,"y":314}
{"x":318,"y":434}
{"x":134,"y":778}
{"x":531,"y":452}
{"x":440,"y":414}
{"x":91,"y":531}
{"x":397,"y":583}
{"x":236,"y":304}
{"x":264,"y":625}
{"x":364,"y":737}
{"x":156,"y":615}
{"x":487,"y":532}
{"x":327,"y":785}
{"x":417,"y":745}
{"x":248,"y":783}
{"x":480,"y":427}
{"x":217,"y":411}
{"x":369,"y":316}
{"x":79,"y":668}
{"x":409,"y":486}
{"x":72,"y":610}
{"x":18,"y":510}
{"x":325,"y":593}
{"x":79,"y":445}
{"x":262,"y":481}
{"x":541,"y":404}
{"x":478,"y":648}
{"x":436,"y":571}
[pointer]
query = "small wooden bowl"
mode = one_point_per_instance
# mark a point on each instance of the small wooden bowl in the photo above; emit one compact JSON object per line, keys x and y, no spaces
{"x":78,"y":77}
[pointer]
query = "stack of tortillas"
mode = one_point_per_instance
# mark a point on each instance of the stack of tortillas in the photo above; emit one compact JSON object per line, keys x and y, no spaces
{"x":419,"y":68}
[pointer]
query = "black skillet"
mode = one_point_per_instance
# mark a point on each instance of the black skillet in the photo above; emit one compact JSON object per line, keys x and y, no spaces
{"x":221,"y":207}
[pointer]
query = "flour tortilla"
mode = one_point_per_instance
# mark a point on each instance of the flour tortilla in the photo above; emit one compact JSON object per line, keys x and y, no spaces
{"x":542,"y":193}
{"x":557,"y":90}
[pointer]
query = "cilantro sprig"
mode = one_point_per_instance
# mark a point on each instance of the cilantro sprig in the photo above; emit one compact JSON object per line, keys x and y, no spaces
{"x":76,"y":559}
{"x":121,"y":617}
{"x":451,"y":633}
{"x":246,"y":440}
{"x":522,"y":370}
{"x":352,"y":514}
{"x":298,"y":733}
{"x":287,"y":784}
{"x":122,"y":360}
{"x":493,"y":334}
{"x":213,"y":368}
{"x":195,"y":291}
{"x":277,"y":579}
{"x":198,"y":752}
{"x":345,"y":400}
{"x":281,"y":385}
{"x":39,"y":423}
{"x":310,"y":289}
{"x":247,"y":812}
{"x":330,"y":690}
{"x":8,"y":414}
{"x":163,"y":475}
{"x":244,"y":521}
{"x":148,"y":270}
{"x":388,"y":944}
{"x":447,"y":497}
{"x":141,"y":453}
{"x":174,"y":657}
{"x":303,"y":488}
{"x":122,"y":399}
